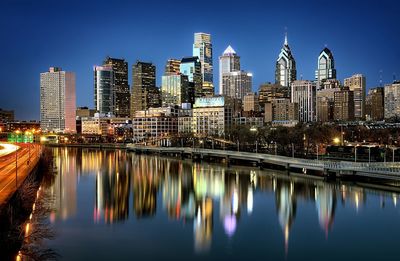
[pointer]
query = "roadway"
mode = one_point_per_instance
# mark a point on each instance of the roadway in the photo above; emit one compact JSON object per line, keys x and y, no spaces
{"x":15,"y":166}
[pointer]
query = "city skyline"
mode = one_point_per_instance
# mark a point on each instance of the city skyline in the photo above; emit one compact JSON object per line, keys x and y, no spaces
{"x":75,"y":49}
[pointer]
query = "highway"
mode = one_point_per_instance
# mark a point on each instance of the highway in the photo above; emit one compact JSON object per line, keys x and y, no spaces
{"x":15,"y":167}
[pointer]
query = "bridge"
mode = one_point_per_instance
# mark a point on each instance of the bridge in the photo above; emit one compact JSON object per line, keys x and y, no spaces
{"x":16,"y":163}
{"x":382,"y":170}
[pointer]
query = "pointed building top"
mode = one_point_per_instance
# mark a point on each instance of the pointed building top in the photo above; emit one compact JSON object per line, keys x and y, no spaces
{"x":286,"y":42}
{"x":229,"y":50}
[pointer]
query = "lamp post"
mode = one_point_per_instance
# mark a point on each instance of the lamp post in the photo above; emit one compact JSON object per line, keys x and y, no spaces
{"x":292,"y":150}
{"x":254,"y":130}
{"x":355,"y":153}
{"x":317,"y":153}
{"x":16,"y":167}
{"x":276,"y":148}
{"x":238,"y":145}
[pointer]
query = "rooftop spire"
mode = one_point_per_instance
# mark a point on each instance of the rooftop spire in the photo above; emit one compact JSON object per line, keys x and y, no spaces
{"x":286,"y":42}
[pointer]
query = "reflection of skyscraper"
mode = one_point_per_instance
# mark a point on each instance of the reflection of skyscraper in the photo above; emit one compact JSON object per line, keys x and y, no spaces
{"x":144,"y":196}
{"x":112,"y":190}
{"x":325,"y":200}
{"x":286,"y":206}
{"x":64,"y":187}
{"x":203,"y":225}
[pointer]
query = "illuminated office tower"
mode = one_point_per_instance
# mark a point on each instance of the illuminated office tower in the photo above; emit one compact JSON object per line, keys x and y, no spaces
{"x":326,"y":67}
{"x":144,"y":78}
{"x":374,"y":104}
{"x":57,"y":101}
{"x":104,"y":92}
{"x":304,"y":93}
{"x":236,"y":84}
{"x":344,"y":105}
{"x":174,"y":90}
{"x":285,"y":71}
{"x":392,"y":100}
{"x":121,"y":86}
{"x":202,"y":48}
{"x":229,"y":61}
{"x":172,"y":66}
{"x":191,"y":67}
{"x":356,"y":83}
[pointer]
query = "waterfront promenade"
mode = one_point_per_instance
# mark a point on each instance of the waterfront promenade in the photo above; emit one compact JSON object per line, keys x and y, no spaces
{"x":15,"y":166}
{"x":382,"y":170}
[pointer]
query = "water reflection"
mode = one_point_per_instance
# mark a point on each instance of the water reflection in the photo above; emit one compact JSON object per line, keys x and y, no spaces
{"x":206,"y":196}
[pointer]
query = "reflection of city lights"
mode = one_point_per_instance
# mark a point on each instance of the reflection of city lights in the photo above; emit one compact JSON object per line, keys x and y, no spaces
{"x":394,"y":200}
{"x":356,"y":200}
{"x":250,"y":201}
{"x":235,"y":201}
{"x":230,"y":225}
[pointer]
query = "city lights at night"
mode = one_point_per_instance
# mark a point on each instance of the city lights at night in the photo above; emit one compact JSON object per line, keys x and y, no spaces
{"x":211,"y":130}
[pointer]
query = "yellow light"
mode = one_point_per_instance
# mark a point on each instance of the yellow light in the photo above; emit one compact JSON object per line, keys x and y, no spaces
{"x":43,"y":138}
{"x":18,"y":131}
{"x":336,"y":140}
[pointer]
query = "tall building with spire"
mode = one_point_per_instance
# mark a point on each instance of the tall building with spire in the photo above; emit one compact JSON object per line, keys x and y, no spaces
{"x":285,"y":71}
{"x":202,"y":48}
{"x":229,"y":61}
{"x":326,"y":67}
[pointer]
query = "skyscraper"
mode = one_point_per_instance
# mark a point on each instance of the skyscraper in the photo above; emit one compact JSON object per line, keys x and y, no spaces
{"x":326,"y":67}
{"x":191,"y":67}
{"x":285,"y":71}
{"x":236,"y":84}
{"x":57,"y":101}
{"x":121,"y":86}
{"x":172,"y":66}
{"x":104,"y":91}
{"x":356,"y":83}
{"x":228,"y":62}
{"x":144,"y":77}
{"x":174,"y":90}
{"x":202,"y":48}
{"x":392,"y":100}
{"x":374,"y":104}
{"x":344,"y":105}
{"x":304,"y":93}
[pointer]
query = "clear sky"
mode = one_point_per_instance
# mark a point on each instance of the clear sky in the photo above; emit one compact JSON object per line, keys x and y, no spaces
{"x":364,"y":37}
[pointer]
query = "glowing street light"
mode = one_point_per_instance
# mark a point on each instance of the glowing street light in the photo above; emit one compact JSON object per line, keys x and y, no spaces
{"x":336,"y":140}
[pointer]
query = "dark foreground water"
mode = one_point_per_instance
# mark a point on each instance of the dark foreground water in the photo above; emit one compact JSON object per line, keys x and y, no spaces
{"x":113,"y":205}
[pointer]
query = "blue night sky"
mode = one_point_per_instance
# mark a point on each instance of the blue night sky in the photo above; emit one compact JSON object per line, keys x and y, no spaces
{"x":364,"y":37}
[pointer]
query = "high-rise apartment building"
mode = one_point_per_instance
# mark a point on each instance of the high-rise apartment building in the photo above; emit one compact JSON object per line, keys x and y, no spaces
{"x":236,"y":84}
{"x":285,"y":70}
{"x":191,"y":67}
{"x":104,"y":91}
{"x":392,"y":100}
{"x":374,"y":104}
{"x":229,"y":61}
{"x":121,"y":86}
{"x":144,"y":77}
{"x":202,"y":48}
{"x":344,"y":105}
{"x":325,"y":67}
{"x":175,"y":90}
{"x":304,"y":94}
{"x":57,"y":101}
{"x":356,"y":83}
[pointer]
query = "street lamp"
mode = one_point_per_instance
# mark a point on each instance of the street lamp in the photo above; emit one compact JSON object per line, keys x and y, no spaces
{"x":254,"y":130}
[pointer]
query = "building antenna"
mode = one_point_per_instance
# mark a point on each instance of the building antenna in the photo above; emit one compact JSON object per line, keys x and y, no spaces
{"x":286,"y":41}
{"x":301,"y":76}
{"x":380,"y":77}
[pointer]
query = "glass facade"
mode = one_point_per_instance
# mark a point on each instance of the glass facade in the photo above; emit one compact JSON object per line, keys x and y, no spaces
{"x":104,"y":89}
{"x":202,"y":48}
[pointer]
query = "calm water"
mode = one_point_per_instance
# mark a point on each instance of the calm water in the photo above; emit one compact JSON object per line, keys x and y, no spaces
{"x":111,"y":205}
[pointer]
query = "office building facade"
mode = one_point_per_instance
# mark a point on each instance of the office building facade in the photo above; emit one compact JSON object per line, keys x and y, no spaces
{"x":357,"y":84}
{"x":202,"y":48}
{"x":229,"y":61}
{"x":285,"y":69}
{"x":304,"y":94}
{"x":144,"y":77}
{"x":57,"y":101}
{"x":236,"y":84}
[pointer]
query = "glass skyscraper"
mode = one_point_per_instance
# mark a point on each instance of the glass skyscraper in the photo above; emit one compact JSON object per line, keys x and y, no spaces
{"x":121,"y":86}
{"x":191,"y":67}
{"x":202,"y":48}
{"x":285,"y":70}
{"x":104,"y":92}
{"x":174,"y":90}
{"x":326,"y":67}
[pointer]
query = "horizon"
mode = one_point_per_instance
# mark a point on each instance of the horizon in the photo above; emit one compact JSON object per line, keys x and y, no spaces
{"x":79,"y":44}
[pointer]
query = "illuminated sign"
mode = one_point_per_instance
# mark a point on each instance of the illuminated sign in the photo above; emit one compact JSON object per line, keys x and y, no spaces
{"x":209,"y":102}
